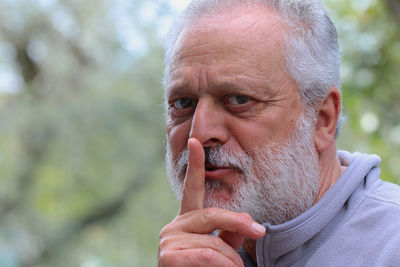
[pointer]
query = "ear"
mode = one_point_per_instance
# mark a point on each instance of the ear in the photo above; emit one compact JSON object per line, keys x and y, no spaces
{"x":327,"y":120}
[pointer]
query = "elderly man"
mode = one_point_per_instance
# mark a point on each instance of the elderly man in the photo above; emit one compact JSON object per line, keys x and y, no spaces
{"x":253,"y":109}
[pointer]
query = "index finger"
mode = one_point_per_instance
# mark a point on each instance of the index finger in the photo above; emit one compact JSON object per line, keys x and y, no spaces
{"x":193,"y":187}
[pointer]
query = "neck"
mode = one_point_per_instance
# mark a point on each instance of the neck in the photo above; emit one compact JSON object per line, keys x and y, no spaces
{"x":330,"y":170}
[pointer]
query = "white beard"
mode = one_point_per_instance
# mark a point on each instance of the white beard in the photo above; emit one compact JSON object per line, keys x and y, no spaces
{"x":279,"y":182}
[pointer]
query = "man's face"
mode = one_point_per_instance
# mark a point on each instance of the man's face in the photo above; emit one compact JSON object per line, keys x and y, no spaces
{"x":228,"y":89}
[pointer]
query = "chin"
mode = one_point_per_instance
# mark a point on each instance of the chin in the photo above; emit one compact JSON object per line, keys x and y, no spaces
{"x":219,"y":198}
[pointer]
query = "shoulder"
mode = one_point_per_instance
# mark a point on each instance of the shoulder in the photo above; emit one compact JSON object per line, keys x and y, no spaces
{"x":379,"y":206}
{"x":370,"y":234}
{"x":382,"y":206}
{"x":378,"y":215}
{"x":383,"y":199}
{"x":386,"y":192}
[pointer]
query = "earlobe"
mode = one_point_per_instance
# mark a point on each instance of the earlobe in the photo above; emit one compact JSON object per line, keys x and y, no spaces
{"x":327,"y":119}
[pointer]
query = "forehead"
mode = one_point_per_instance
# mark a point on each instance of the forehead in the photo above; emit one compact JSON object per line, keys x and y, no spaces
{"x":254,"y":29}
{"x":247,"y":42}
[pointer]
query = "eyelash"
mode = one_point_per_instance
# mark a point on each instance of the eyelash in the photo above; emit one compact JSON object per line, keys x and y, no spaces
{"x":237,"y":97}
{"x":174,"y":103}
{"x":226,"y":100}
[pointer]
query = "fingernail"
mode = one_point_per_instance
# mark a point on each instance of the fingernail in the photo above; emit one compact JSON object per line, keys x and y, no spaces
{"x":258,"y":228}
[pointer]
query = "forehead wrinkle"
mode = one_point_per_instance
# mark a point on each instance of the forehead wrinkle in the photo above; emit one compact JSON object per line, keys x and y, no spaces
{"x":196,"y":57}
{"x":249,"y":29}
{"x":207,"y":50}
{"x":270,"y":35}
{"x":233,"y":18}
{"x":182,"y":52}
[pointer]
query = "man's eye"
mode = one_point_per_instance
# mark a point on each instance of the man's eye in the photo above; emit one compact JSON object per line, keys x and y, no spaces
{"x":183,"y":103}
{"x":237,"y":99}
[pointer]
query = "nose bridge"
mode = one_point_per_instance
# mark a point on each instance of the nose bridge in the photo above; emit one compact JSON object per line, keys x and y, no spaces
{"x":208,"y":123}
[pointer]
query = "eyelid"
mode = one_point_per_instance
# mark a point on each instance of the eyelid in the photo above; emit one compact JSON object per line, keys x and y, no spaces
{"x":177,"y":114}
{"x":175,"y":103}
{"x":230,"y":96}
{"x":173,"y":100}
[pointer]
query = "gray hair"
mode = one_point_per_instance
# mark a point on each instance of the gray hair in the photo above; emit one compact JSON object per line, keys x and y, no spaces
{"x":312,"y":56}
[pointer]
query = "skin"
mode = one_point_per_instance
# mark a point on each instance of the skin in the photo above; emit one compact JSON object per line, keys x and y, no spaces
{"x":228,"y":87}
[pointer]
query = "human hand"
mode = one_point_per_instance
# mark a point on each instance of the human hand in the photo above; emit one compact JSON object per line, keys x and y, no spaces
{"x":186,"y":240}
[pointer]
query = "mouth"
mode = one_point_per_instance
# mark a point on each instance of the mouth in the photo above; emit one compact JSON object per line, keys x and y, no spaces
{"x":213,"y":168}
{"x":217,"y":172}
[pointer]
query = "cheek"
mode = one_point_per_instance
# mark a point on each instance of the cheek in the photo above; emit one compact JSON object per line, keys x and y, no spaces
{"x":177,"y":139}
{"x":253,"y":135}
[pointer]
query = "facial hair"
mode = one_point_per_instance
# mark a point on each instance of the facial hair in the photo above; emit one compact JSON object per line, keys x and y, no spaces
{"x":278,"y":182}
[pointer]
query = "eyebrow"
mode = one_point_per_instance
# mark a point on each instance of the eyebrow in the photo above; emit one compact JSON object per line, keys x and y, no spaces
{"x":218,"y":87}
{"x":226,"y":85}
{"x":177,"y":88}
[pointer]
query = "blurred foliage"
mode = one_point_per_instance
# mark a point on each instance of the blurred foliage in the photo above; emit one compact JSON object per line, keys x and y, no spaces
{"x":370,"y":43}
{"x":81,"y":134}
{"x":82,"y":180}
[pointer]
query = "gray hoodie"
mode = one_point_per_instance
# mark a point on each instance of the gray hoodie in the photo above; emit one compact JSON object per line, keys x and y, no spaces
{"x":356,"y":223}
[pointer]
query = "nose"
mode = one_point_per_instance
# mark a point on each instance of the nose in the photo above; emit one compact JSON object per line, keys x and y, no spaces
{"x":208,"y":124}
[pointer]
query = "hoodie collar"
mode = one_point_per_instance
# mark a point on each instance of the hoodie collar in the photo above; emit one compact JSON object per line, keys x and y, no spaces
{"x":288,"y":239}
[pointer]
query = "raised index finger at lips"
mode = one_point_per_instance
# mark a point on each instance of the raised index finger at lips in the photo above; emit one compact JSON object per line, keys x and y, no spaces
{"x":193,"y":188}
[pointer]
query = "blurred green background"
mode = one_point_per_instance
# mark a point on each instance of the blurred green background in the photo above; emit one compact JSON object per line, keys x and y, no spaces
{"x":82,"y":180}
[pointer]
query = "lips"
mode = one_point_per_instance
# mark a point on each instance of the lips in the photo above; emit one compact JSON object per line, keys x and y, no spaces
{"x":213,"y":168}
{"x":217,"y":172}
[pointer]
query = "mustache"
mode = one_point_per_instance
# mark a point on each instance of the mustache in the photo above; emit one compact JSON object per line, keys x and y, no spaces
{"x":218,"y":156}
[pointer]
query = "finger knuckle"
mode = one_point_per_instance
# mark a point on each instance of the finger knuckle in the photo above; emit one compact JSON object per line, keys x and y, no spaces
{"x":244,"y":218}
{"x":164,"y":242}
{"x":209,"y":213}
{"x":247,"y":216}
{"x":214,"y":242}
{"x":208,"y":255}
{"x":165,"y":231}
{"x":185,"y":194}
